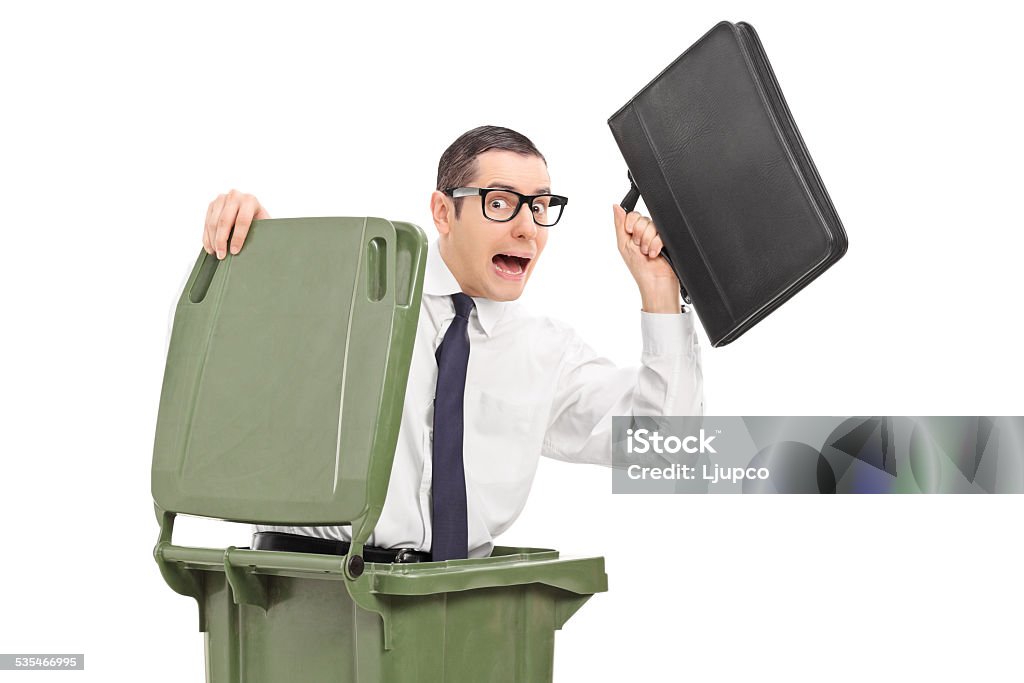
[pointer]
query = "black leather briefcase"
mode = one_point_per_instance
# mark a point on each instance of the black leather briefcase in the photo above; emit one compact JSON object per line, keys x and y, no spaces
{"x":711,"y":145}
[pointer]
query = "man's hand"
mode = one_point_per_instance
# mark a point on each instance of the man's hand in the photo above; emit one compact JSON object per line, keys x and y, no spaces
{"x":640,"y":247}
{"x":232,"y":210}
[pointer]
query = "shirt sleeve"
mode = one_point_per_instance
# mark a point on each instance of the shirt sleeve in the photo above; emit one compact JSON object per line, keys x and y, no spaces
{"x":591,"y":389}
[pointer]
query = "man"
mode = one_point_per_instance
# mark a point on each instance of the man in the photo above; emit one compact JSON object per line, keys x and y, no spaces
{"x":491,"y":388}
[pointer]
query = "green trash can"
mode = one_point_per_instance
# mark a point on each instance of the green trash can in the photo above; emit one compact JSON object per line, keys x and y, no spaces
{"x":281,"y":404}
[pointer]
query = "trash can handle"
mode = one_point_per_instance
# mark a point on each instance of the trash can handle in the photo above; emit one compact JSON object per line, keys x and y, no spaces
{"x":409,"y":261}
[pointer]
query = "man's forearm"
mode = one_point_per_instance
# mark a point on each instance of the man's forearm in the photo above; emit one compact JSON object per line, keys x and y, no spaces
{"x":661,"y":298}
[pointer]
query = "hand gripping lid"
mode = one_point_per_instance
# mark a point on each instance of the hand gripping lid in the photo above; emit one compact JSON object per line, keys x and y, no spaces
{"x":286,"y":374}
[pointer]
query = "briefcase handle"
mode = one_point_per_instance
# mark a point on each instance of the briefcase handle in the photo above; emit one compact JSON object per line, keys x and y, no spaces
{"x":629,"y":203}
{"x":632,"y":197}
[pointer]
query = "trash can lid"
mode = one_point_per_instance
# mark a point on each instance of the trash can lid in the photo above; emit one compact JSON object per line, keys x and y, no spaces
{"x":286,"y":374}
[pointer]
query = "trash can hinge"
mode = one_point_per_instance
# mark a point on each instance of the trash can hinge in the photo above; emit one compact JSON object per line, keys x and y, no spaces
{"x":354,"y":562}
{"x":247,"y":587}
{"x":181,"y":580}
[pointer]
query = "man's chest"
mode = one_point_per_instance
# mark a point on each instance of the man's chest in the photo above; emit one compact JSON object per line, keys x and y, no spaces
{"x":510,"y":383}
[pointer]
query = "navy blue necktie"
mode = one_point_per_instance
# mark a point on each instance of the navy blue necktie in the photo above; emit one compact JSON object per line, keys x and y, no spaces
{"x":448,"y":498}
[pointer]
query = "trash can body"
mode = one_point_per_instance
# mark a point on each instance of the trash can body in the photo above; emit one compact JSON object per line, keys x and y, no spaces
{"x":312,"y":630}
{"x":281,"y":404}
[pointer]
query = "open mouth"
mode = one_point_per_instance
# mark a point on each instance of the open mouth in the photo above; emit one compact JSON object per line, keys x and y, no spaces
{"x":510,"y":265}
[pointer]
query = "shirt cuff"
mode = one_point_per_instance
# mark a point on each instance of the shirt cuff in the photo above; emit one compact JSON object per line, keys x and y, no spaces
{"x":668,"y":334}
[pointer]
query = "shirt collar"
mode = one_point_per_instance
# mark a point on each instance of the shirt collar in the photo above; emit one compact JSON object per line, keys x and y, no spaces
{"x":438,"y":281}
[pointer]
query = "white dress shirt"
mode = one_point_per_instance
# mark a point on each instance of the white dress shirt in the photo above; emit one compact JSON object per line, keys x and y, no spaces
{"x":533,"y":388}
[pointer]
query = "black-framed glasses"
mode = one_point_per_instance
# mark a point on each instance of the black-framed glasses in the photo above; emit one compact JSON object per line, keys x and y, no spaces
{"x":502,"y":205}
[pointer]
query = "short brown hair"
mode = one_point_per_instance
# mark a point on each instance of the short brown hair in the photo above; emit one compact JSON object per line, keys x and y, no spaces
{"x":458,"y":164}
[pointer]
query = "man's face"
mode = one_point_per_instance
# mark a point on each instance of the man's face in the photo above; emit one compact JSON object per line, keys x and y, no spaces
{"x":491,"y":259}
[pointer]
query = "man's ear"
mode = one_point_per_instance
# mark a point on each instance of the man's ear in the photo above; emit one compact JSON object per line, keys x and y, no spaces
{"x":442,"y":211}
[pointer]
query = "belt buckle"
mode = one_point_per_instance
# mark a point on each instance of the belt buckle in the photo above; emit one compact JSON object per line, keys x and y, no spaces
{"x":405,"y":556}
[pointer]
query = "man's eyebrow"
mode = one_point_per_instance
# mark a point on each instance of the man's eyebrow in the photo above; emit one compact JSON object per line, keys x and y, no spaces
{"x":502,"y":186}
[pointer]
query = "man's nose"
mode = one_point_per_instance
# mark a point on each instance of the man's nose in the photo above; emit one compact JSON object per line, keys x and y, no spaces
{"x":522,"y":225}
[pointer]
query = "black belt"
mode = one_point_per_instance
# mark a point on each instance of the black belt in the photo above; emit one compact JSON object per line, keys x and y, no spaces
{"x":295,"y":543}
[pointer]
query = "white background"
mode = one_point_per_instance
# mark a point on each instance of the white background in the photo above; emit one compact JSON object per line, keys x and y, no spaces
{"x":120,"y":122}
